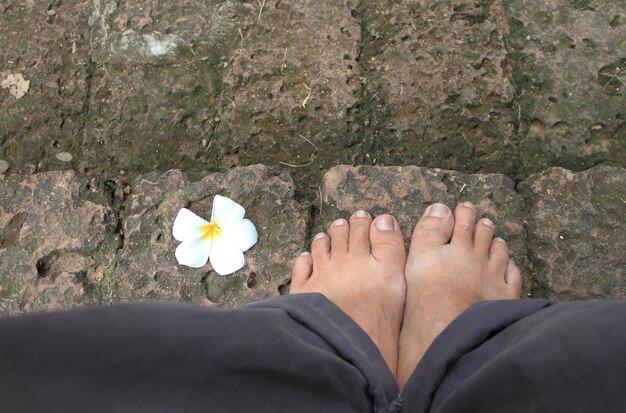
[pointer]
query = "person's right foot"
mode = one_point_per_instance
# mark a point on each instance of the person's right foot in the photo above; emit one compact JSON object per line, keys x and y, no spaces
{"x":453,"y":262}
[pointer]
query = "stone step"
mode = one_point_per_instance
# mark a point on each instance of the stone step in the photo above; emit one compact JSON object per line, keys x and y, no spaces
{"x":67,"y":240}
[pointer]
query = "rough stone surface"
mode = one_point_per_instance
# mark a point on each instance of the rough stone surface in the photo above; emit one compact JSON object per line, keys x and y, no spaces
{"x":577,"y":232}
{"x":118,"y":88}
{"x":129,"y":87}
{"x":437,"y":85}
{"x":156,"y":82}
{"x":147,"y":267}
{"x":290,"y":89}
{"x":47,"y":44}
{"x":569,"y":61}
{"x":406,"y":191}
{"x":56,"y":245}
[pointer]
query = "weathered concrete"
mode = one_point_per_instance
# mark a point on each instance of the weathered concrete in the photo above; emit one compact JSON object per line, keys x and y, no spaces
{"x":577,"y":232}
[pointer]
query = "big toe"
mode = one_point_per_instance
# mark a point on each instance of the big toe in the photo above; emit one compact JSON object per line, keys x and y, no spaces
{"x":434,"y":227}
{"x":387,"y":242}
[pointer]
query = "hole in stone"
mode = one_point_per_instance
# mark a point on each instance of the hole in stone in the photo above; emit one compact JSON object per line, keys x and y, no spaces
{"x":553,"y":99}
{"x":44,"y":264}
{"x":283,"y":289}
{"x":251,"y":282}
{"x":589,"y":42}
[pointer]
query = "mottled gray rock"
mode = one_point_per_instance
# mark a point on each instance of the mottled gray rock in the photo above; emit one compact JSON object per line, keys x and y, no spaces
{"x":56,"y":245}
{"x":577,"y":232}
{"x":147,"y":267}
{"x":437,"y":85}
{"x":157,"y":81}
{"x":569,"y":60}
{"x":406,"y":191}
{"x":48,"y":44}
{"x":290,"y":89}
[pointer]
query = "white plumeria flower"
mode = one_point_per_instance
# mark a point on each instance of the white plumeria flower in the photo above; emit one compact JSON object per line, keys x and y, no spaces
{"x":222,"y":241}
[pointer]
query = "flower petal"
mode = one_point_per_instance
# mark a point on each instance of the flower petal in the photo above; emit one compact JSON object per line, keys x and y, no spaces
{"x":194,"y":253}
{"x":187,"y":225}
{"x":226,"y":258}
{"x":226,"y":211}
{"x":242,"y":234}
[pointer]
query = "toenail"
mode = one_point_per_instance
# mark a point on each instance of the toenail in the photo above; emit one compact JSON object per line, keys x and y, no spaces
{"x":499,"y":240}
{"x":469,"y":204}
{"x":384,"y":223}
{"x":438,"y":210}
{"x":305,"y":253}
{"x":360,"y":214}
{"x":488,"y":222}
{"x":320,"y":235}
{"x":339,"y":222}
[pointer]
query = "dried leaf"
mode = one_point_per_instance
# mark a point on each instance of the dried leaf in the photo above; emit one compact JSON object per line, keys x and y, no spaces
{"x":17,"y":85}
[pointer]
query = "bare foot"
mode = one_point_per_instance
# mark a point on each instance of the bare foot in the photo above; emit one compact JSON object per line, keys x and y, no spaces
{"x":360,"y":268}
{"x":453,"y":262}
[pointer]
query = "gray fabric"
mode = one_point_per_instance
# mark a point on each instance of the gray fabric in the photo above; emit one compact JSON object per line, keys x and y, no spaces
{"x":300,"y":353}
{"x":171,"y":357}
{"x":525,"y":356}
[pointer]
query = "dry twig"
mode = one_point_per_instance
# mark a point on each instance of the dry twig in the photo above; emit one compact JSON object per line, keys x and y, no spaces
{"x":306,"y":164}
{"x":261,"y":6}
{"x":306,"y":99}
{"x":299,"y":166}
{"x":312,"y":144}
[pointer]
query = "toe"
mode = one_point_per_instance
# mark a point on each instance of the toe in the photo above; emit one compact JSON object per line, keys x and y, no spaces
{"x":464,"y":224}
{"x":320,"y":248}
{"x":434,"y":227}
{"x":302,"y":270}
{"x":339,"y":232}
{"x":513,"y":278}
{"x":499,"y":254}
{"x":387,"y":242}
{"x":359,"y":241}
{"x":483,"y":236}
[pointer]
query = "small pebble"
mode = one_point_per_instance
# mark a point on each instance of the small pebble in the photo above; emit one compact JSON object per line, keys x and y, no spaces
{"x":64,"y":156}
{"x":4,"y":166}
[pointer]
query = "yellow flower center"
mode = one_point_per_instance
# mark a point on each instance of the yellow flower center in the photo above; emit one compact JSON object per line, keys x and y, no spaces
{"x":211,"y":230}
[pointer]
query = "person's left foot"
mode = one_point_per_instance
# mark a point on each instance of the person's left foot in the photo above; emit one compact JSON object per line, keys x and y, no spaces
{"x":360,"y":268}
